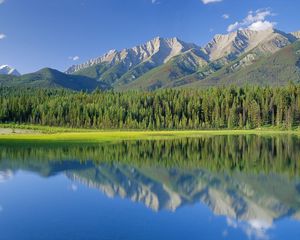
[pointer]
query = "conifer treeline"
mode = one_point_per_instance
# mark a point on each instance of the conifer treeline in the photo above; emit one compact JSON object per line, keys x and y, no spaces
{"x":232,"y":107}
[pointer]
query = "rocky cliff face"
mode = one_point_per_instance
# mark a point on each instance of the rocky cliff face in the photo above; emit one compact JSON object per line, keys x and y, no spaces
{"x":156,"y":51}
{"x":237,"y":43}
{"x":171,"y":62}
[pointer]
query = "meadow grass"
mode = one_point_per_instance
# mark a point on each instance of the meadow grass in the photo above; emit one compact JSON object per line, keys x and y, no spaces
{"x":57,"y":134}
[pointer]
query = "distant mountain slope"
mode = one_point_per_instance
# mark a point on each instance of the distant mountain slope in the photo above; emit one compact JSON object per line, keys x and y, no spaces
{"x":268,"y":57}
{"x":7,"y":70}
{"x":277,"y":69}
{"x":50,"y":78}
{"x":122,"y":67}
{"x":234,"y":44}
{"x":167,"y":75}
{"x":158,"y":50}
{"x":237,"y":50}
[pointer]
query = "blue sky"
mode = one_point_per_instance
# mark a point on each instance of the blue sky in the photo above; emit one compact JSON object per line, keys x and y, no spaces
{"x":59,"y":33}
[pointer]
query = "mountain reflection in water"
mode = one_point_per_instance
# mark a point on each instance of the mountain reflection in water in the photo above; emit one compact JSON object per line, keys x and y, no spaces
{"x":252,"y":180}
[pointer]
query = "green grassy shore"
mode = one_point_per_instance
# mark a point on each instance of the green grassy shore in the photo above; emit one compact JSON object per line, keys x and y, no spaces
{"x":54,"y":134}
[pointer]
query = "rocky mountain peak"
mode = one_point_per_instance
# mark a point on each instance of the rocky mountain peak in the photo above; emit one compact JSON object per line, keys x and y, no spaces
{"x":7,"y":70}
{"x":244,"y":40}
{"x":126,"y":67}
{"x":157,"y":51}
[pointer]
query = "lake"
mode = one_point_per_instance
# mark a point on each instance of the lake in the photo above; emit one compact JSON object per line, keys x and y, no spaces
{"x":210,"y":187}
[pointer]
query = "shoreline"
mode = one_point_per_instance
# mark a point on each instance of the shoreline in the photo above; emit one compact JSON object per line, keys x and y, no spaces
{"x":56,"y":134}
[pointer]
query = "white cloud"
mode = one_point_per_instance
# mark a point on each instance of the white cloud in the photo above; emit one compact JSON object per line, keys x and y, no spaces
{"x":155,"y":2}
{"x":2,"y":35}
{"x":2,"y":1}
{"x":233,"y":27}
{"x":74,"y":58}
{"x":261,"y":25}
{"x":254,"y":21}
{"x":225,"y":16}
{"x":211,"y":1}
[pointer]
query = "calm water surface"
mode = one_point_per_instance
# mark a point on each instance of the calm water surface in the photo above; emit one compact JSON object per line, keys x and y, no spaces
{"x":221,"y":187}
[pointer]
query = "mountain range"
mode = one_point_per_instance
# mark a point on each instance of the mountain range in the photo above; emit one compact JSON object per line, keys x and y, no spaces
{"x":268,"y":57}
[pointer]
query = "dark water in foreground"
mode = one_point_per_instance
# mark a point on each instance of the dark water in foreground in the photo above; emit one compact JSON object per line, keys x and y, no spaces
{"x":222,"y":187}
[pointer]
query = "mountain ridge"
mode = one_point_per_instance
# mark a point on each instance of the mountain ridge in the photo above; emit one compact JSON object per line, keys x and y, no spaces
{"x":235,"y":43}
{"x":172,"y":63}
{"x":167,"y":47}
{"x":175,"y":67}
{"x":125,"y":66}
{"x":279,"y":68}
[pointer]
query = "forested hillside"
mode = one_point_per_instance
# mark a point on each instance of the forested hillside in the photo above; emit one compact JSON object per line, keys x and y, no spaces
{"x":51,"y":78}
{"x":231,"y":107}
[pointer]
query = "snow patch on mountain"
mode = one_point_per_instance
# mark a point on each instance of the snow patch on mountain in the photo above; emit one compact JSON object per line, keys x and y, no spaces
{"x":7,"y":70}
